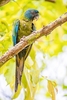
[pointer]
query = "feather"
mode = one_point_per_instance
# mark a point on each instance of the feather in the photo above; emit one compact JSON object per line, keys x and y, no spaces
{"x":15,"y":31}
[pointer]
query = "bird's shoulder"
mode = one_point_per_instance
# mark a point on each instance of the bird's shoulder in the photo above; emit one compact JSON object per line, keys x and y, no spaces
{"x":16,"y":22}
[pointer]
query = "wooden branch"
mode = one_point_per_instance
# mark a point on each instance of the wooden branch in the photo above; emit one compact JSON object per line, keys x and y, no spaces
{"x":46,"y":30}
{"x":53,"y":1}
{"x":3,"y":2}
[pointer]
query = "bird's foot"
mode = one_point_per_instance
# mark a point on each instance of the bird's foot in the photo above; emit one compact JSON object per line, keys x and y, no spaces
{"x":34,"y":32}
{"x":23,"y":39}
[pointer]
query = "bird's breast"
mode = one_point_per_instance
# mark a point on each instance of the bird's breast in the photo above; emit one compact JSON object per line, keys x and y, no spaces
{"x":25,"y":28}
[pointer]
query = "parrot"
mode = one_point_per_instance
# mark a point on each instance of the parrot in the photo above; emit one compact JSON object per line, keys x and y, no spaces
{"x":23,"y":27}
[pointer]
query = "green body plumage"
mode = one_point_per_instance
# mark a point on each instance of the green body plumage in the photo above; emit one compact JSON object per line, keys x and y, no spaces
{"x":23,"y":28}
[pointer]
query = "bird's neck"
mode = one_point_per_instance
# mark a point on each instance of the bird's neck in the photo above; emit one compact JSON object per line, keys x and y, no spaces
{"x":26,"y":19}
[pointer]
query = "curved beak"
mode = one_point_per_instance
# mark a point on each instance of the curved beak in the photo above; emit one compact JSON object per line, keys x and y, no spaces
{"x":37,"y":17}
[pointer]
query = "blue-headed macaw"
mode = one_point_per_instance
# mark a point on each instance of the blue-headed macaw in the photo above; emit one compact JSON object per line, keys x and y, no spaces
{"x":23,"y":28}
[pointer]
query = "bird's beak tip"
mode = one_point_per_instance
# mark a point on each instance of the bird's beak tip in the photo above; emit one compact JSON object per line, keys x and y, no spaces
{"x":37,"y":17}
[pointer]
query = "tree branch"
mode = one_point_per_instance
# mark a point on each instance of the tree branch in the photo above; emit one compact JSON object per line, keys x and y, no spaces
{"x":3,"y":2}
{"x":46,"y":30}
{"x":53,"y":1}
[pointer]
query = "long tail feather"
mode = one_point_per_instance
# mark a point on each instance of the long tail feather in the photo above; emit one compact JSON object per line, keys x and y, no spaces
{"x":20,"y":58}
{"x":19,"y":71}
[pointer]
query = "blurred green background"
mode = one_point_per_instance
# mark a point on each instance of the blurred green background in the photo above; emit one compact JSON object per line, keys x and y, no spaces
{"x":47,"y":52}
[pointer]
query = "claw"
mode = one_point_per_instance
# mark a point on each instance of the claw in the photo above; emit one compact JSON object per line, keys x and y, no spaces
{"x":34,"y":32}
{"x":23,"y":39}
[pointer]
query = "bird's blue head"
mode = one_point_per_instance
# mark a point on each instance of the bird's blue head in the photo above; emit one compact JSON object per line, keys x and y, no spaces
{"x":31,"y":14}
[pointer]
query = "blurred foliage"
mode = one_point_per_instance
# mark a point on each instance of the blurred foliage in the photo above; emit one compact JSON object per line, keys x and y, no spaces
{"x":51,"y":44}
{"x":51,"y":90}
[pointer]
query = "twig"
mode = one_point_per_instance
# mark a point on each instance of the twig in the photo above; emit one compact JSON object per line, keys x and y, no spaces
{"x":53,"y":1}
{"x":3,"y":2}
